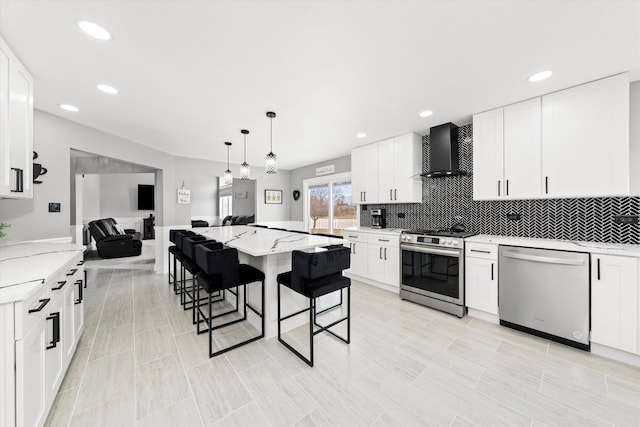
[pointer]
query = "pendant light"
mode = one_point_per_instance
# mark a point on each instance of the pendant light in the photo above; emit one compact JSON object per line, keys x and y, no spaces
{"x":228,"y":176}
{"x":245,"y":169}
{"x":272,"y":165}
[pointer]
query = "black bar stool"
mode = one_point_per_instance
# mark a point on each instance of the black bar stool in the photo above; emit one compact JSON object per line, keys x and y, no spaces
{"x":220,"y":269}
{"x":314,"y":274}
{"x":176,"y":251}
{"x":188,"y":294}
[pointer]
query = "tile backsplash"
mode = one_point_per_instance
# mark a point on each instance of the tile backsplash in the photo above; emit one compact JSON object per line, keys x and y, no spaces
{"x":589,"y":219}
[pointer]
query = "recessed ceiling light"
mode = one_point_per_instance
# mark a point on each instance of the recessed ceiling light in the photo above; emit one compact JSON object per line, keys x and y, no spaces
{"x":540,"y":76}
{"x":107,"y":89}
{"x":94,"y":30}
{"x":68,"y":107}
{"x":426,"y":113}
{"x":361,"y":135}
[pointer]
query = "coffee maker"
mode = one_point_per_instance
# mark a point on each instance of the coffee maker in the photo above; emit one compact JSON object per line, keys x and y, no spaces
{"x":378,"y":218}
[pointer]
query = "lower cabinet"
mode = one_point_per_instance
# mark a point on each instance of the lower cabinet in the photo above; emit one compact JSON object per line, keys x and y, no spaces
{"x":54,"y":354}
{"x":30,"y":376}
{"x":375,"y":257}
{"x":614,"y":302}
{"x":481,"y":277}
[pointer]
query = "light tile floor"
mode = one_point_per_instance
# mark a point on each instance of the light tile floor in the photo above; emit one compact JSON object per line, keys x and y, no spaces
{"x":140,"y":363}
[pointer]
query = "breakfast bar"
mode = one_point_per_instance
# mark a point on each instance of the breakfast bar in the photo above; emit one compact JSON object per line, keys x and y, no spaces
{"x":269,"y":250}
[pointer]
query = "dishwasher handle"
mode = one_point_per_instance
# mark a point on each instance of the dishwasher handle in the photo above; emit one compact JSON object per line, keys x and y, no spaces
{"x":543,"y":259}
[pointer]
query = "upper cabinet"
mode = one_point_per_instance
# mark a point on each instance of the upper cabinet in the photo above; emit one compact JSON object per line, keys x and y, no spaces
{"x":16,"y":126}
{"x":388,"y":171}
{"x":585,"y":140}
{"x":572,"y":143}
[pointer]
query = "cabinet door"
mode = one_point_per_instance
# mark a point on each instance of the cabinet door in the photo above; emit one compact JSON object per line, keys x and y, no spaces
{"x":481,"y":284}
{"x":4,"y":121}
{"x":614,"y":302}
{"x":364,"y":173}
{"x":407,"y":166}
{"x":30,"y":377}
{"x":391,"y":257}
{"x":359,"y":258}
{"x":78,"y":304}
{"x":488,"y":170}
{"x":54,"y":354}
{"x":20,"y":128}
{"x":523,"y":150}
{"x":585,"y":140}
{"x":68,"y":330}
{"x":387,"y":155}
{"x":376,"y":264}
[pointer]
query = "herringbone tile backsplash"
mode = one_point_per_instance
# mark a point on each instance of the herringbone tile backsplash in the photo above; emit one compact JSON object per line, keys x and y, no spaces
{"x":590,"y":219}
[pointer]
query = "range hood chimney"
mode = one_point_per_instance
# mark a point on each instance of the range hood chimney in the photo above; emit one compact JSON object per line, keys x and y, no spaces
{"x":443,"y":143}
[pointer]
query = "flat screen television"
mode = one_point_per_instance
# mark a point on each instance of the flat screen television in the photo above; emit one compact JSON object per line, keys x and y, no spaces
{"x":145,"y":197}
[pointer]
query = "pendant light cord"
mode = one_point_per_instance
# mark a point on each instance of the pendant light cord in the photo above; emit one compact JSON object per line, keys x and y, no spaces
{"x":271,"y":134}
{"x":245,"y":148}
{"x":227,"y":157}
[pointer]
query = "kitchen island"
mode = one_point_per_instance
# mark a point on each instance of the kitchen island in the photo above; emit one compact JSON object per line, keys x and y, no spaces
{"x":269,"y":251}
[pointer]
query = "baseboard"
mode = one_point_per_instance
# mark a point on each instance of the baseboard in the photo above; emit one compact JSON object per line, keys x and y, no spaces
{"x":615,"y":354}
{"x":483,"y":315}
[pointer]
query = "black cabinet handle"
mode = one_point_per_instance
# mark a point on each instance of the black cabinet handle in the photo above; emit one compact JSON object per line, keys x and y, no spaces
{"x":380,"y":256}
{"x":80,"y":292}
{"x":491,"y":271}
{"x":395,"y":194}
{"x":383,"y":240}
{"x":60,"y":285}
{"x":385,"y":253}
{"x":390,"y":194}
{"x":365,"y":195}
{"x":72,"y":272}
{"x":354,"y":248}
{"x":507,"y":187}
{"x":478,"y":250}
{"x":85,"y":278}
{"x":19,"y":180}
{"x":498,"y":187}
{"x":56,"y":330}
{"x":598,"y":268}
{"x":546,"y":185}
{"x":80,"y":263}
{"x":43,"y":303}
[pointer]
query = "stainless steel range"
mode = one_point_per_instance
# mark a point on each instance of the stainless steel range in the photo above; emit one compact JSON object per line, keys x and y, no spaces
{"x":432,"y":270}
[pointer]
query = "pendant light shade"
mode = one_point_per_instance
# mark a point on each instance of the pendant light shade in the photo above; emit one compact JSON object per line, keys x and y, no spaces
{"x":245,"y":169}
{"x":272,"y":164}
{"x":228,"y":176}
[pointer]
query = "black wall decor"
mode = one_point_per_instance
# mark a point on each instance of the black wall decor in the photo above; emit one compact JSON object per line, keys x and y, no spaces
{"x":590,"y":219}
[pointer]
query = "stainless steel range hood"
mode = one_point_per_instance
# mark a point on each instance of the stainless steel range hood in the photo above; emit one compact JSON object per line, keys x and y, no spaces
{"x":443,"y":145}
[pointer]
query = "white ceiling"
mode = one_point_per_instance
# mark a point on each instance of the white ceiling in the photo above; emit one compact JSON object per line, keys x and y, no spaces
{"x":191,"y":74}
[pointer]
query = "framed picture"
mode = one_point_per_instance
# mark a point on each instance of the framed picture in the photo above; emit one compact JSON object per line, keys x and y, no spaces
{"x":184,"y":196}
{"x":273,"y":197}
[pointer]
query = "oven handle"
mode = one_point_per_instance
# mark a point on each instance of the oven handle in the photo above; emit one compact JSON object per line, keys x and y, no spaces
{"x":436,"y":251}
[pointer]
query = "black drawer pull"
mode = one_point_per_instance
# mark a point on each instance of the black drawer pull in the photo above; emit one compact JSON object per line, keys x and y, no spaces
{"x":598,"y":268}
{"x":43,"y":303}
{"x":383,"y":240}
{"x":19,"y":180}
{"x":56,"y":330}
{"x":60,"y":285}
{"x":491,"y":271}
{"x":479,"y":251}
{"x":80,"y":262}
{"x":72,"y":272}
{"x":80,"y":292}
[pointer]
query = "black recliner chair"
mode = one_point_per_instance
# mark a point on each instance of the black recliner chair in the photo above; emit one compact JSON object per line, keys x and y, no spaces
{"x":112,"y":241}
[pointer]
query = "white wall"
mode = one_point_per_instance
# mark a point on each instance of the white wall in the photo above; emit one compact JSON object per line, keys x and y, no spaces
{"x":119,"y":194}
{"x":90,"y":197}
{"x":246,"y":206}
{"x":204,"y":196}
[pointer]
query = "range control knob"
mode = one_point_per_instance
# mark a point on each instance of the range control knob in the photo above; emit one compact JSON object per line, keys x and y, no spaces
{"x":454,"y":243}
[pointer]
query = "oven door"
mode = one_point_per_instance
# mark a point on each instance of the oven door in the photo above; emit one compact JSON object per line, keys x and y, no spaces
{"x":434,"y":272}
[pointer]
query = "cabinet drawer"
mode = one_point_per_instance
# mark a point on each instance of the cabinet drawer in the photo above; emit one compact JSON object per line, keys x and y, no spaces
{"x":29,"y":311}
{"x":481,"y":250}
{"x":384,"y":240}
{"x":353,"y":236}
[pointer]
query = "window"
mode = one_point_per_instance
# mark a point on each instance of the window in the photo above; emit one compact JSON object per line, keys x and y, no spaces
{"x":328,"y":204}
{"x":225,"y":206}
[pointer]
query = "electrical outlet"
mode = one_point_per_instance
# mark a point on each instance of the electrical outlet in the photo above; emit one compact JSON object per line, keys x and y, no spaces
{"x":54,"y":207}
{"x":512,"y":216}
{"x":401,"y":215}
{"x":626,"y":219}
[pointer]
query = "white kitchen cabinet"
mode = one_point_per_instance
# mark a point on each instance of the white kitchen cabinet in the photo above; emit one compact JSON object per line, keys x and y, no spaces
{"x":481,"y":277}
{"x":388,"y":171}
{"x":488,"y":152}
{"x":522,"y":150}
{"x":384,"y":260}
{"x":364,"y":174}
{"x":16,"y":126}
{"x":585,"y":140}
{"x":55,"y":354}
{"x":399,"y":165}
{"x":614,"y":302}
{"x":69,"y":326}
{"x":358,"y":245}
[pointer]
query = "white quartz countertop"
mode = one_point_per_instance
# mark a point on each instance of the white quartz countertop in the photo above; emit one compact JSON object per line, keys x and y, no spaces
{"x":22,"y":263}
{"x":563,"y":245}
{"x":257,"y":241}
{"x":388,"y":231}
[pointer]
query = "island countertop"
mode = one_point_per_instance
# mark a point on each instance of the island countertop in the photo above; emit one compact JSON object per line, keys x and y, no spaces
{"x":22,"y":263}
{"x":257,"y":241}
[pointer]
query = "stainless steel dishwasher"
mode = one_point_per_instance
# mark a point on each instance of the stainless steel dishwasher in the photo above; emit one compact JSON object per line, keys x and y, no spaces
{"x":546,"y":293}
